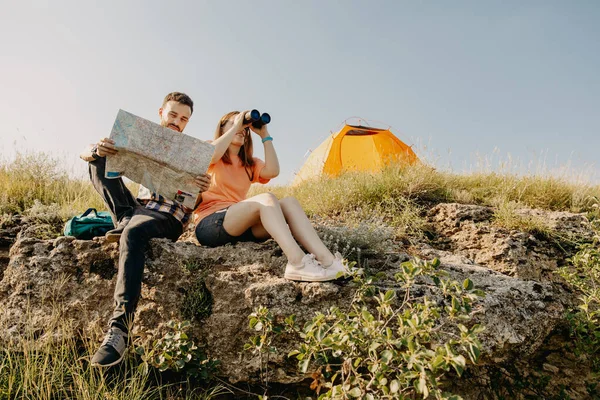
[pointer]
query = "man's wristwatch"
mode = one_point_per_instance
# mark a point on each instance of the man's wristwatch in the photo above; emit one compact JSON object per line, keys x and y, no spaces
{"x":95,"y":155}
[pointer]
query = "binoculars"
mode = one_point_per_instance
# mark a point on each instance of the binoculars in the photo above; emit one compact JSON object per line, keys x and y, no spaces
{"x":257,"y":119}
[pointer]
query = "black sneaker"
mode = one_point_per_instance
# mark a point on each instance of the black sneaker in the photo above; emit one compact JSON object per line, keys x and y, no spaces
{"x":112,"y":350}
{"x":115,"y":234}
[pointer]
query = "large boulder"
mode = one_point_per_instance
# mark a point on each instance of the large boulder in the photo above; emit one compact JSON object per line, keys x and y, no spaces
{"x":72,"y":281}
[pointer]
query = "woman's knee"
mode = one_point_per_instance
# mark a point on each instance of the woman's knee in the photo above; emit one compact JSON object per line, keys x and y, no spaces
{"x":267,"y":199}
{"x":289,"y":202}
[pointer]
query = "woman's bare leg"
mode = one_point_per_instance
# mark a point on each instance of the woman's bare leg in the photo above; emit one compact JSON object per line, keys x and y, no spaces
{"x":303,"y":230}
{"x":263,"y":209}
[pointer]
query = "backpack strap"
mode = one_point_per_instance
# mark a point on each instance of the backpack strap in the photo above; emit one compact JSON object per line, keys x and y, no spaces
{"x":88,"y":211}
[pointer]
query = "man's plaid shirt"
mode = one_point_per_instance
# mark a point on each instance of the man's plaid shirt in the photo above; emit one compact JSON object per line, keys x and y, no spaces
{"x":156,"y":202}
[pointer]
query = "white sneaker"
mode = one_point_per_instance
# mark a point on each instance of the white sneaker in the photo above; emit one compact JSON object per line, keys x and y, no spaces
{"x":338,"y":266}
{"x":310,"y":270}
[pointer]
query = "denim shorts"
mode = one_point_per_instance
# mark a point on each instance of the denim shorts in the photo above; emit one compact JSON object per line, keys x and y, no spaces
{"x":210,"y":232}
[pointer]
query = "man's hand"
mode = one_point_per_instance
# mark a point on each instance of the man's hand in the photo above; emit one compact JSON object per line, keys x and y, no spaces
{"x":106,"y":147}
{"x":203,"y":182}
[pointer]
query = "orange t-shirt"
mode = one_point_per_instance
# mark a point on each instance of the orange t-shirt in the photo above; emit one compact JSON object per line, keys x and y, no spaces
{"x":229,"y":185}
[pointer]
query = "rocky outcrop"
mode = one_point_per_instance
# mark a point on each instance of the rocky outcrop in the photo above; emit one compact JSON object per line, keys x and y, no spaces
{"x":469,"y":231}
{"x":72,"y":281}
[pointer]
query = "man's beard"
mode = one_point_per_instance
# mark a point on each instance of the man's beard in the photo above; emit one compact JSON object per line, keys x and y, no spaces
{"x":171,"y":126}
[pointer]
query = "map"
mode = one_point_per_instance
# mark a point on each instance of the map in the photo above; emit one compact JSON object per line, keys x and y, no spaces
{"x":161,"y":159}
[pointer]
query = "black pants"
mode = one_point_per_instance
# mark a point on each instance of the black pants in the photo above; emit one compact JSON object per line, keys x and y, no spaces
{"x":144,"y":225}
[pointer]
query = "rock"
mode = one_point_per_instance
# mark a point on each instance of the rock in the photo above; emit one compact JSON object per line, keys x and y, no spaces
{"x":80,"y":276}
{"x":467,"y":230}
{"x":63,"y":280}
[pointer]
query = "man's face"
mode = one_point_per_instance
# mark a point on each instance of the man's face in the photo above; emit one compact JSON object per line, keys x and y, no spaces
{"x":174,"y":115}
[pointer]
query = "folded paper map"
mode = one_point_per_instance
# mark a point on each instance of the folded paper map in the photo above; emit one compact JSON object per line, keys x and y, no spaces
{"x":161,"y":159}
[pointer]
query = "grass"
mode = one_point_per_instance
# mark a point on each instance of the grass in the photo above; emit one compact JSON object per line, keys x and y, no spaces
{"x":31,"y":177}
{"x":400,"y":195}
{"x":57,"y":367}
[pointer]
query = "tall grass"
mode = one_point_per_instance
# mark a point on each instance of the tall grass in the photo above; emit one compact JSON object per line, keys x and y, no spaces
{"x":58,"y":367}
{"x":37,"y":176}
{"x":425,"y":185}
{"x":401,"y":194}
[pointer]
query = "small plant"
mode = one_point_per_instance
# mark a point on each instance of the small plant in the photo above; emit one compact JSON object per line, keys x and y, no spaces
{"x":584,"y":275}
{"x":261,"y":321}
{"x":397,"y":350}
{"x":177,"y":352}
{"x":363,"y":239}
{"x":508,"y":216}
{"x":198,"y":301}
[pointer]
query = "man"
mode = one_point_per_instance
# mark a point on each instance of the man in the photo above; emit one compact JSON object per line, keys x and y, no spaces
{"x":137,"y":221}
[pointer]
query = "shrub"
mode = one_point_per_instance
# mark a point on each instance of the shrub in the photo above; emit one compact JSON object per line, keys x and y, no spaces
{"x":584,"y":276}
{"x":177,"y":352}
{"x":403,"y":347}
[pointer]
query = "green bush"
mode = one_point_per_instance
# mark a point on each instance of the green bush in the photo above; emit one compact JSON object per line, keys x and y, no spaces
{"x":584,"y":276}
{"x":177,"y":352}
{"x":402,"y":347}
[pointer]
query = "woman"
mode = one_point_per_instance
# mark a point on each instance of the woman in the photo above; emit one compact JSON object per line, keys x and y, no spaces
{"x":227,"y":216}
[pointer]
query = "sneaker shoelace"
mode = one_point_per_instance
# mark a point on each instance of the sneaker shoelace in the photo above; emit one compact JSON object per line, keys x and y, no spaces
{"x":311,"y":257}
{"x":113,"y":339}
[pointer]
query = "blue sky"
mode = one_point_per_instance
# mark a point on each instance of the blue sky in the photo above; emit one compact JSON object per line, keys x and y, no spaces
{"x":460,"y":80}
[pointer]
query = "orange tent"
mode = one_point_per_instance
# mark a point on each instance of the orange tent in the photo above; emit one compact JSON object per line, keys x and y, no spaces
{"x":355,"y":148}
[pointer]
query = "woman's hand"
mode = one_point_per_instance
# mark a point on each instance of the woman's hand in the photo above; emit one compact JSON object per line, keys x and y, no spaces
{"x":262,"y":131}
{"x":238,"y":122}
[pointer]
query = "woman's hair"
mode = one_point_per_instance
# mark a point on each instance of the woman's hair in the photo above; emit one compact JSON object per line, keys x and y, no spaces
{"x":245,"y":152}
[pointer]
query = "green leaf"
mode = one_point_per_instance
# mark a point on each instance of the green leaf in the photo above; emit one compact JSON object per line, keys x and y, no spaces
{"x":184,"y":325}
{"x":386,"y":356}
{"x":389,"y":295}
{"x":467,"y":284}
{"x":458,"y":363}
{"x":374,"y":346}
{"x":253,"y":321}
{"x":304,"y":365}
{"x":394,"y":386}
{"x":473,"y":352}
{"x":437,"y":362}
{"x":455,"y":304}
{"x":355,"y":392}
{"x":423,"y":384}
{"x":293,"y":353}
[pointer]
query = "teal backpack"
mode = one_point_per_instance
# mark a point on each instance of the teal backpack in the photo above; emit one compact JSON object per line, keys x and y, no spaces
{"x":89,"y":224}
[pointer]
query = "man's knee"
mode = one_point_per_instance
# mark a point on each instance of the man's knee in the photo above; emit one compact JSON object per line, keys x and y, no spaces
{"x":133,"y":235}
